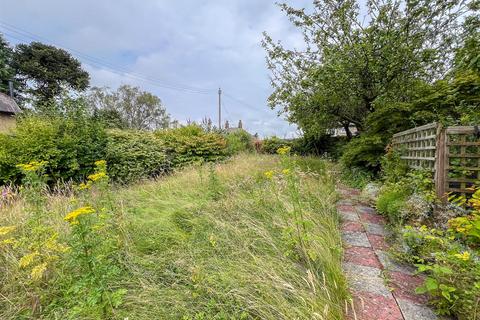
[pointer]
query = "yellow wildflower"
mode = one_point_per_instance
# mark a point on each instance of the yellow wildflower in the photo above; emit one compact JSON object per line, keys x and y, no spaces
{"x":6,"y":230}
{"x":465,"y":256}
{"x":31,"y":166}
{"x":84,"y":186}
{"x":8,"y":241}
{"x":100,"y":163}
{"x":286,"y":171}
{"x":72,"y":216}
{"x":269,"y":174}
{"x":97,"y":176}
{"x":283,"y":150}
{"x":27,"y":260}
{"x":38,"y":271}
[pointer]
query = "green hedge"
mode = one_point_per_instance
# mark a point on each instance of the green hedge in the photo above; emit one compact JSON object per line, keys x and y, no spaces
{"x":191,"y":144}
{"x":271,"y":145}
{"x":132,"y":155}
{"x":239,"y":141}
{"x":69,"y":145}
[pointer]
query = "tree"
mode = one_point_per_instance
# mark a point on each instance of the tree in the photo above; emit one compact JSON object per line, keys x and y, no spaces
{"x":48,"y":71}
{"x":349,"y":66}
{"x":130,"y":106}
{"x":6,"y":71}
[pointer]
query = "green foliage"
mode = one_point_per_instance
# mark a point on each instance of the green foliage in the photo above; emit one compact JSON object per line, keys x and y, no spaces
{"x":239,"y":141}
{"x":191,"y":144}
{"x":69,"y":144}
{"x":391,"y":201}
{"x":355,"y":177}
{"x":272,"y":144}
{"x":134,"y":155}
{"x":364,"y":152}
{"x":49,"y":70}
{"x":452,"y":269}
{"x":128,"y":107}
{"x":6,"y":71}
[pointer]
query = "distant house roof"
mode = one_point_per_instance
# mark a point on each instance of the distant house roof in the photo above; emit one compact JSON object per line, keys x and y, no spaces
{"x":8,"y":105}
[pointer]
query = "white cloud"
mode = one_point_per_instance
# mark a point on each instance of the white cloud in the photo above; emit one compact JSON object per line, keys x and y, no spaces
{"x":205,"y":44}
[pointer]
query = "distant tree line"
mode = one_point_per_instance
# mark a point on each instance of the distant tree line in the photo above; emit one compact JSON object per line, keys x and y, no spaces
{"x":43,"y":75}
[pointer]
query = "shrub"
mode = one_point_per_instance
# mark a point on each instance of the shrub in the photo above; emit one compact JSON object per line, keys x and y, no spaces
{"x":70,"y":145}
{"x":133,"y":155}
{"x":191,"y":144}
{"x":364,"y":152}
{"x":391,"y":201}
{"x":271,"y":145}
{"x":239,"y":141}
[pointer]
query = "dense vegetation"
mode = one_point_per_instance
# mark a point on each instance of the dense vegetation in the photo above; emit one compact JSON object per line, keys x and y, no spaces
{"x":405,"y":63}
{"x":211,"y":242}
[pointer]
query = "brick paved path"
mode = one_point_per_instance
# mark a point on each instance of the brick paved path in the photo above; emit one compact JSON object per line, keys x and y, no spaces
{"x":381,"y":288}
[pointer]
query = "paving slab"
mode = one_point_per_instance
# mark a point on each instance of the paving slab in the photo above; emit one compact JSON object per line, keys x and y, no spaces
{"x":391,"y":265}
{"x":370,"y":306}
{"x":404,"y":286}
{"x":349,"y":216}
{"x":357,"y":239}
{"x":378,"y":242}
{"x":377,"y":229}
{"x":372,"y":218}
{"x":362,"y":256}
{"x":366,"y":279}
{"x":412,"y":311}
{"x":352,"y":226}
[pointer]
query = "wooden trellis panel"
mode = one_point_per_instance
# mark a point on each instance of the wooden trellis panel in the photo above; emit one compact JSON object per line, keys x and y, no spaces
{"x":418,"y":146}
{"x":463,"y":159}
{"x":452,"y":153}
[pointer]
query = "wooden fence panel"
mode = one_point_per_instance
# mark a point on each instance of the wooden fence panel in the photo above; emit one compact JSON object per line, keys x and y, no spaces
{"x":452,"y":153}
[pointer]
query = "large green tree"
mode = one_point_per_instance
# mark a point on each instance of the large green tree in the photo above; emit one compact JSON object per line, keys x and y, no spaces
{"x":128,"y":107}
{"x":353,"y":63}
{"x":6,"y":71}
{"x":48,"y":71}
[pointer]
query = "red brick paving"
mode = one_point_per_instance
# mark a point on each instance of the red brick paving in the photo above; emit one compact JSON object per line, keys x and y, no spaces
{"x":378,"y":242}
{"x":369,"y":306}
{"x":404,"y":287}
{"x":362,"y":256}
{"x":344,"y":207}
{"x":352,"y":226}
{"x":372,"y":218}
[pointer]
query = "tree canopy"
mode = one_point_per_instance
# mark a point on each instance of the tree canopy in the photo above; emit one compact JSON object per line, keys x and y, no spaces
{"x":351,"y":63}
{"x":129,"y":107}
{"x":48,"y":71}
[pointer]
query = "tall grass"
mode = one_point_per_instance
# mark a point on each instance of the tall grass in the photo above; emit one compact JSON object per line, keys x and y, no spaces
{"x":217,"y":244}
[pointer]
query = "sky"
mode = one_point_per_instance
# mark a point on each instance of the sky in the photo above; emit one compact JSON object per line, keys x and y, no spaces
{"x":174,"y":49}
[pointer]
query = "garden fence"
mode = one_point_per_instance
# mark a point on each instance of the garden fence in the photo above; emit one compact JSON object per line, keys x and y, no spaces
{"x":451,"y":153}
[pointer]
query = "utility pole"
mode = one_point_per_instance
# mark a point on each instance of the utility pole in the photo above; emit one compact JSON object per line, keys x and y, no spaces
{"x":219,"y":109}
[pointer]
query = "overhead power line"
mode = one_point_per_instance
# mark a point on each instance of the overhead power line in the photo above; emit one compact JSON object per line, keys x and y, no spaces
{"x":98,"y":62}
{"x":19,"y":34}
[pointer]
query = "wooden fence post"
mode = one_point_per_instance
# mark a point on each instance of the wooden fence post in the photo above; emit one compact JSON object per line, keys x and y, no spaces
{"x":441,"y":164}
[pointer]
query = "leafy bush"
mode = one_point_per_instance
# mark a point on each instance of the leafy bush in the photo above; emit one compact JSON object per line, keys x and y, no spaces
{"x":191,"y":144}
{"x":355,"y":177}
{"x":238,"y":141}
{"x":324,"y":145}
{"x":70,"y":145}
{"x":364,"y":152}
{"x":391,"y":201}
{"x":271,"y":145}
{"x":132,"y":155}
